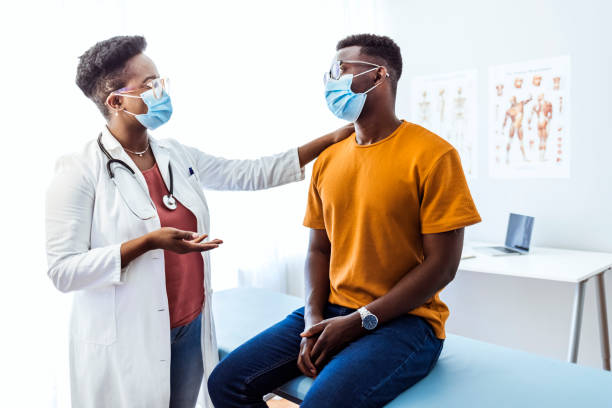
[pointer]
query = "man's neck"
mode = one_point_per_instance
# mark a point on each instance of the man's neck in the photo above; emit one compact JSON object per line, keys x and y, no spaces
{"x":375,"y":127}
{"x":130,"y":137}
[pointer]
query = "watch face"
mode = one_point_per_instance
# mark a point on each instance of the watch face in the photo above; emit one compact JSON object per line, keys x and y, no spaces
{"x":370,"y":322}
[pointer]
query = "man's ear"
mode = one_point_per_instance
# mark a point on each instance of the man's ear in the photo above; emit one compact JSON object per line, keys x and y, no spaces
{"x":382,"y":74}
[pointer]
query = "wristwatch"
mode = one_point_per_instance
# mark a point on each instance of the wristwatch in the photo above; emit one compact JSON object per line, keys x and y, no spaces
{"x":368,"y":320}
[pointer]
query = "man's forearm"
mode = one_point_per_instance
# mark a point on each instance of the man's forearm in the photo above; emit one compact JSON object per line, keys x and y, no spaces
{"x":412,"y":291}
{"x":316,"y":278}
{"x":442,"y":257}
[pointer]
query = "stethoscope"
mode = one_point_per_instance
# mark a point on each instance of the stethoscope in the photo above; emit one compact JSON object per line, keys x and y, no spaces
{"x":168,"y":199}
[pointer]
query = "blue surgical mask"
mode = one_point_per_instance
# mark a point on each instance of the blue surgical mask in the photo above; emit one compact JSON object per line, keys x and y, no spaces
{"x":342,"y":101}
{"x":159,"y":110}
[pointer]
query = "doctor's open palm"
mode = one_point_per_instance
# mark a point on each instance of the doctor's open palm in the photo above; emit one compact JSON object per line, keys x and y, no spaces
{"x":181,"y":242}
{"x":169,"y":239}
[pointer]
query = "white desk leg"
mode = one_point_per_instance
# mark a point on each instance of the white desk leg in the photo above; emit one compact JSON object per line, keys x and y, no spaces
{"x":572,"y":355}
{"x":600,"y":290}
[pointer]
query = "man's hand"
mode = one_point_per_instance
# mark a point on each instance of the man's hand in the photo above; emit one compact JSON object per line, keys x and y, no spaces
{"x":333,"y":335}
{"x":304,"y":362}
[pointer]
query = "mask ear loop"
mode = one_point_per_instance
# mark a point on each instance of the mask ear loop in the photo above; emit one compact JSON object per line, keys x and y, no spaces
{"x":365,"y":72}
{"x":123,"y":110}
{"x":386,"y":76}
{"x":132,"y":96}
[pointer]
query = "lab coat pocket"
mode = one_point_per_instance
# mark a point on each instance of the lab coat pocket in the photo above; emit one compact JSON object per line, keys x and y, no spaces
{"x":94,"y":321}
{"x":186,"y":191}
{"x":194,"y":182}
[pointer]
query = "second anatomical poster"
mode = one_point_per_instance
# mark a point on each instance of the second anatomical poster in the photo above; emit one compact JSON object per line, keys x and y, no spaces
{"x":529,"y":119}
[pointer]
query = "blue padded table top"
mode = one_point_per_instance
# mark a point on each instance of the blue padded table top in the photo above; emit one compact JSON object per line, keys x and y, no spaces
{"x":469,"y":373}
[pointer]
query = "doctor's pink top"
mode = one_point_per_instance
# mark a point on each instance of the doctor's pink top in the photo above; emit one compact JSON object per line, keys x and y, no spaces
{"x":184,"y":277}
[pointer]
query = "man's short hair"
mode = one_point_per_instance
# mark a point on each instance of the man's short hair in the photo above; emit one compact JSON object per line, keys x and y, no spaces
{"x":101,"y":68}
{"x":380,"y":47}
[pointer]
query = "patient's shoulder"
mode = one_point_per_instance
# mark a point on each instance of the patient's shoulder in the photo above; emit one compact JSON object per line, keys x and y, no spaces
{"x":423,"y":143}
{"x":334,"y":152}
{"x":424,"y":139}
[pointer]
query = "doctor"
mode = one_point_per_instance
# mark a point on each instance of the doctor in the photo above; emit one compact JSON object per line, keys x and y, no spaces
{"x":127,"y":225}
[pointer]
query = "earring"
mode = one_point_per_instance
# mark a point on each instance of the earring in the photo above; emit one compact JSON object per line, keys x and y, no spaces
{"x":116,"y":113}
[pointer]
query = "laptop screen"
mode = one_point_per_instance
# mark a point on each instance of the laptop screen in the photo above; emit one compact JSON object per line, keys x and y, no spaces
{"x":519,"y":231}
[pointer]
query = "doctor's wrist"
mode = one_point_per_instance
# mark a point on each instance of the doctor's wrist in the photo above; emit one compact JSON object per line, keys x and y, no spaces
{"x":150,"y":242}
{"x":132,"y":249}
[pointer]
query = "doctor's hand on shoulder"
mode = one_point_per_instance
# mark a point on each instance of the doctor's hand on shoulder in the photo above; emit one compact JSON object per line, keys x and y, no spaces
{"x":312,"y":149}
{"x":342,"y":133}
{"x":169,"y":239}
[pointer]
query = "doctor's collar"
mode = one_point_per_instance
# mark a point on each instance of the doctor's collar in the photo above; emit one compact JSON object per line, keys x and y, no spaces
{"x":111,"y":144}
{"x":109,"y":141}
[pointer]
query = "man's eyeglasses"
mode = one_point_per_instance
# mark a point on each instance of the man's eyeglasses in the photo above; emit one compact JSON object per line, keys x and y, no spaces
{"x":158,"y":85}
{"x":335,"y":71}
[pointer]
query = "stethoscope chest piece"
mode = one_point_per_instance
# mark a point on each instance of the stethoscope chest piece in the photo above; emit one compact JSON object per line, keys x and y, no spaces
{"x":169,"y":202}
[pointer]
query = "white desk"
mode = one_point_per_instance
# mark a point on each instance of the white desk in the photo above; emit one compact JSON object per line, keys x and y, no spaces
{"x":562,"y":265}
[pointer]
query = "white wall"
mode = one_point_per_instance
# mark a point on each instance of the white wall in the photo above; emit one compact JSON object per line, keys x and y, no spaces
{"x":447,"y":36}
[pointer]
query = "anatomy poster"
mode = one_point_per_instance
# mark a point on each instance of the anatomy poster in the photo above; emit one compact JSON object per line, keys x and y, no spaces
{"x":529,"y":119}
{"x":446,"y":105}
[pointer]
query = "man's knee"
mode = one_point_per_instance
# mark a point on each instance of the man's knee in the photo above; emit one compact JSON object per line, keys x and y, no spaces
{"x":218,"y":382}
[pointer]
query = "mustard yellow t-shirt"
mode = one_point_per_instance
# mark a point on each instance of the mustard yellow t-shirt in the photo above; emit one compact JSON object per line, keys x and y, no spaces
{"x":375,"y":202}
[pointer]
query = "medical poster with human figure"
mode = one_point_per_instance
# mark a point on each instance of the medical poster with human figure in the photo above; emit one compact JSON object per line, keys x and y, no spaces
{"x":529,"y":119}
{"x":446,"y":105}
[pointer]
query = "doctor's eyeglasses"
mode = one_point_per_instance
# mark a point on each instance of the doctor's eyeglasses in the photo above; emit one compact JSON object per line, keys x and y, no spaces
{"x":158,"y":85}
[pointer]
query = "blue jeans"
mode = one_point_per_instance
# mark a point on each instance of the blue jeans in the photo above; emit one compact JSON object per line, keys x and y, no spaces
{"x":186,"y":367}
{"x":368,"y":372}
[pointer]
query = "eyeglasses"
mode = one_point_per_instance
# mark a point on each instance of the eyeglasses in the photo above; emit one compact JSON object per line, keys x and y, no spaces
{"x":335,"y":70}
{"x":158,"y":85}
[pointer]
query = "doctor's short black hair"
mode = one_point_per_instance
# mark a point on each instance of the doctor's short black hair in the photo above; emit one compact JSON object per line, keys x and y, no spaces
{"x":378,"y":46}
{"x":101,"y":68}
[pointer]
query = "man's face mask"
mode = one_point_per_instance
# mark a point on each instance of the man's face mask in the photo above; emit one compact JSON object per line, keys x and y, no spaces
{"x":341,"y":100}
{"x":157,"y":100}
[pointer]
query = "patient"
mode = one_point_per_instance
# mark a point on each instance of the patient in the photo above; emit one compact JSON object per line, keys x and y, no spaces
{"x":387,"y":209}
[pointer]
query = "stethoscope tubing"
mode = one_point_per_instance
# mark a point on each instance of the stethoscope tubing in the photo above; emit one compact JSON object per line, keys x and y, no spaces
{"x":168,"y":200}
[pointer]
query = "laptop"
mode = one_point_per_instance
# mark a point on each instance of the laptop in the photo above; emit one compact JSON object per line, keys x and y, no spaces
{"x":518,"y":237}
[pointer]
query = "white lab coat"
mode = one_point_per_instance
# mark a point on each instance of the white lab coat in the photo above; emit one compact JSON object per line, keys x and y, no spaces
{"x":120,"y":326}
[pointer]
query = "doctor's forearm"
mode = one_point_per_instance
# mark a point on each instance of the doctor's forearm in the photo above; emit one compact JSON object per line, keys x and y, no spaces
{"x":313,"y":149}
{"x":131,"y":250}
